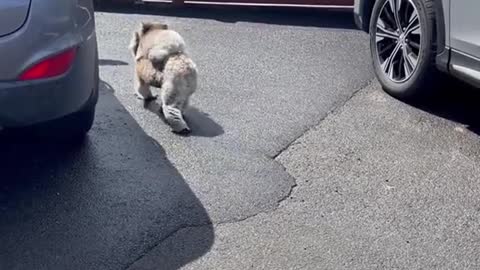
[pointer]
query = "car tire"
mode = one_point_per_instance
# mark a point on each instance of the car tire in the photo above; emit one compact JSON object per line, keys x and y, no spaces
{"x":71,"y":128}
{"x":411,"y":72}
{"x":78,"y":124}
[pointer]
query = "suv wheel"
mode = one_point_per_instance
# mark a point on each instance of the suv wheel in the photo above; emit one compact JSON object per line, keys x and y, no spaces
{"x":402,"y":44}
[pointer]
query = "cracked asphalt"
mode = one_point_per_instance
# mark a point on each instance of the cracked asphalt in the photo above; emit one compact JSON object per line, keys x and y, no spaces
{"x":380,"y":185}
{"x":297,"y":160}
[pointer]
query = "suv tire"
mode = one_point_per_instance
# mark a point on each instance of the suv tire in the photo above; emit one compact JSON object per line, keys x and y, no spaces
{"x":405,"y":29}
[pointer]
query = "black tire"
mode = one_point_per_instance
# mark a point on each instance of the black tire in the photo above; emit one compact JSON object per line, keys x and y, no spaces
{"x":421,"y":78}
{"x":71,"y":128}
{"x":78,"y":124}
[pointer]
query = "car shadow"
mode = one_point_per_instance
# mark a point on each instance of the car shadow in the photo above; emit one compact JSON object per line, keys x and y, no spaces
{"x":103,"y":204}
{"x":455,"y":101}
{"x":327,"y":18}
{"x":200,"y":122}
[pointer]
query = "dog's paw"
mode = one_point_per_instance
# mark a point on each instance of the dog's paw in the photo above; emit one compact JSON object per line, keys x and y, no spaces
{"x":183,"y":132}
{"x":146,"y":99}
{"x":151,"y":98}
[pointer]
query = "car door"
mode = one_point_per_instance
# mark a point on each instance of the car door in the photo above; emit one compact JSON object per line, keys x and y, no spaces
{"x":465,"y":38}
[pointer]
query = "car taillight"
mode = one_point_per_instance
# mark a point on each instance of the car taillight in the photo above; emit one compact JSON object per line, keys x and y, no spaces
{"x":50,"y":67}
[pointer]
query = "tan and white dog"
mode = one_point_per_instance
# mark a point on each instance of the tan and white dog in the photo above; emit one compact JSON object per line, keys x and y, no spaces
{"x":161,"y":61}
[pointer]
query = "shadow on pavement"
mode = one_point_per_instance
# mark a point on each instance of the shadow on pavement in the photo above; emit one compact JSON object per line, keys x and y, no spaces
{"x":457,"y":102}
{"x":200,"y":123}
{"x":108,"y":62}
{"x":269,"y":15}
{"x":101,"y":205}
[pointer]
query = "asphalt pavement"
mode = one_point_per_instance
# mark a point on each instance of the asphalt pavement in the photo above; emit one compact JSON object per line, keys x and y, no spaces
{"x":285,"y":119}
{"x":380,"y":185}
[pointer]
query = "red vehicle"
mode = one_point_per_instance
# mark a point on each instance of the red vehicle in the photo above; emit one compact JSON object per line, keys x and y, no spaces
{"x":285,"y":3}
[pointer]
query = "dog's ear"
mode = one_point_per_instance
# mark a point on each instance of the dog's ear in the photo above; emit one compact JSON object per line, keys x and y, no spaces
{"x":164,"y":26}
{"x":160,"y":25}
{"x":147,"y":26}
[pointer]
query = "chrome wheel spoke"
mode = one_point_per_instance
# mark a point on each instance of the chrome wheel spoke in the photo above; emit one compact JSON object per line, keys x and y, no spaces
{"x":414,"y":29}
{"x":406,"y":70}
{"x":395,"y":8}
{"x":384,"y":33}
{"x":411,"y":57}
{"x":413,"y":17}
{"x":390,"y":71}
{"x":386,"y":48}
{"x":414,"y":44}
{"x":382,"y":30}
{"x":413,"y":25}
{"x":389,"y":19}
{"x":408,"y":64}
{"x":387,"y":65}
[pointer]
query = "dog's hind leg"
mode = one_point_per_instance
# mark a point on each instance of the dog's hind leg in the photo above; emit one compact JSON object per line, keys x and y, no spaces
{"x":172,"y":108}
{"x":142,"y":89}
{"x":175,"y":120}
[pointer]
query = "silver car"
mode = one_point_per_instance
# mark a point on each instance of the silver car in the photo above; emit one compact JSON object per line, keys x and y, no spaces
{"x":48,"y":66}
{"x":412,"y":40}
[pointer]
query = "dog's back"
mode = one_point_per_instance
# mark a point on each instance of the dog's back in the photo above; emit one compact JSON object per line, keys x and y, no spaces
{"x":156,"y":42}
{"x":180,"y":76}
{"x":162,"y":43}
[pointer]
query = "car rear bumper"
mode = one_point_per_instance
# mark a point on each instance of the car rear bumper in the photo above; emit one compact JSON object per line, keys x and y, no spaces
{"x":28,"y":103}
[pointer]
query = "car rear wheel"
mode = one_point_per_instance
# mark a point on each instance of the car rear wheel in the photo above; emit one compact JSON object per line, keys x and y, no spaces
{"x":71,"y":128}
{"x":402,"y":45}
{"x":78,"y":124}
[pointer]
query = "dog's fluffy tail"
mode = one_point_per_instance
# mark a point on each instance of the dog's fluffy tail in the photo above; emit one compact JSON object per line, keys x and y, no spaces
{"x":160,"y":54}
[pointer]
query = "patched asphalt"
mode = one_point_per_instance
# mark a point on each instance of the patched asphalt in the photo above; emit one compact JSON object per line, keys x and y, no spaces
{"x":381,"y":184}
{"x":261,"y":86}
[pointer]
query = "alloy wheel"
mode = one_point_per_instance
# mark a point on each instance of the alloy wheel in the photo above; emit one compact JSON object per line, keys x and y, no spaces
{"x":398,"y":39}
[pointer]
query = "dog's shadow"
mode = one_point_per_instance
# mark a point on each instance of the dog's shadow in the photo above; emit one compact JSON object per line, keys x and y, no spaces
{"x":200,"y":122}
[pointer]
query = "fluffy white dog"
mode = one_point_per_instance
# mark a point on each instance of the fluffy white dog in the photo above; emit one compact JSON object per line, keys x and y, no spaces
{"x":161,"y":61}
